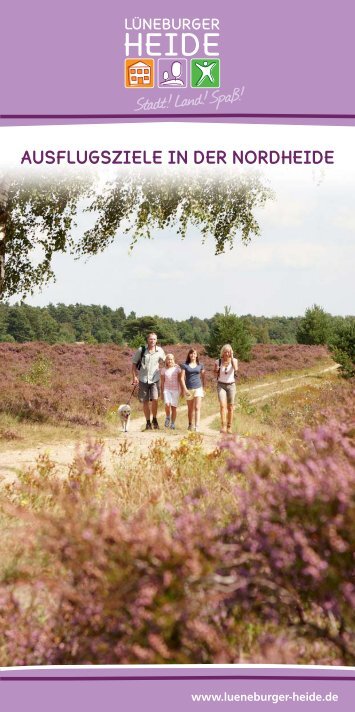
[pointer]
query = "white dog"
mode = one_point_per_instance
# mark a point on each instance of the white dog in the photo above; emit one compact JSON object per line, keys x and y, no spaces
{"x":124,"y":412}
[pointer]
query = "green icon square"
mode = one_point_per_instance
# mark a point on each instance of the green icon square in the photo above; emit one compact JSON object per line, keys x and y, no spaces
{"x":205,"y":73}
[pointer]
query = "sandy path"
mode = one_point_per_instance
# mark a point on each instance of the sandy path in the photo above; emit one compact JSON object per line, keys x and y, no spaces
{"x":270,"y":393}
{"x":62,"y":454}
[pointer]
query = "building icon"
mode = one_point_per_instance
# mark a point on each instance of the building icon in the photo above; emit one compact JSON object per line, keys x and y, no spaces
{"x":139,"y":73}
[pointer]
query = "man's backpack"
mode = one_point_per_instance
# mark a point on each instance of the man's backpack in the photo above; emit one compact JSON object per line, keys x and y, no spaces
{"x":143,"y":350}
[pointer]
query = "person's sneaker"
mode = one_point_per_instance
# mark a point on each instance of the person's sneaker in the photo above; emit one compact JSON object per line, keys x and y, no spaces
{"x":172,"y":426}
{"x":155,"y":424}
{"x":229,"y":430}
{"x":196,"y":429}
{"x":148,"y":425}
{"x":190,"y":427}
{"x":167,"y":422}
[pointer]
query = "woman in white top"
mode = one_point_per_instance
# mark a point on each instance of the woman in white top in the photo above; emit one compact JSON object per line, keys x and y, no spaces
{"x":225,"y":368}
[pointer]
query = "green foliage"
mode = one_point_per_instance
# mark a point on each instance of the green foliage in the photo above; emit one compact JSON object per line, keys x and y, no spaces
{"x":315,"y":327}
{"x":66,"y":334}
{"x":318,"y":327}
{"x":40,"y":373}
{"x":347,"y":366}
{"x":227,"y":328}
{"x":117,"y":338}
{"x":137,"y":341}
{"x":343,"y":348}
{"x":274,"y":329}
{"x":39,"y":218}
{"x":245,"y":406}
{"x":38,"y":221}
{"x":62,"y":323}
{"x":136,"y":330}
{"x":3,"y":322}
{"x":193,"y":330}
{"x":19,"y":325}
{"x":263,"y":336}
{"x":218,"y":207}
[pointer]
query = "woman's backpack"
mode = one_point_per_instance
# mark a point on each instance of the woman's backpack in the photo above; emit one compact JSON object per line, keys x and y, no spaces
{"x":219,"y":368}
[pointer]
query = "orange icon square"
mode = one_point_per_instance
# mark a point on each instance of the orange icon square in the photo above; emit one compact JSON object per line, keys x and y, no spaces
{"x":139,"y":73}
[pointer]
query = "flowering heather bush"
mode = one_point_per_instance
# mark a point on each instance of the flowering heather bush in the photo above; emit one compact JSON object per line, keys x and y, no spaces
{"x":269,"y":580}
{"x":336,"y":403}
{"x":83,"y":383}
{"x":292,"y":546}
{"x":86,"y":468}
{"x":80,"y":385}
{"x":270,"y":358}
{"x":266,"y":359}
{"x":118,"y":592}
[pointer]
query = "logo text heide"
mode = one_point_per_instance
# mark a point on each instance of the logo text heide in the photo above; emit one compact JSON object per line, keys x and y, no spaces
{"x":171,"y":37}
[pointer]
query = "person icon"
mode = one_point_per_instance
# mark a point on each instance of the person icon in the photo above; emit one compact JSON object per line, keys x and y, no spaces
{"x":206,"y":72}
{"x":175,"y":81}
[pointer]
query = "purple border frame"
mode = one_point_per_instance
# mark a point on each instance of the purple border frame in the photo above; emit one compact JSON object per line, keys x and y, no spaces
{"x":177,"y":116}
{"x":137,"y":678}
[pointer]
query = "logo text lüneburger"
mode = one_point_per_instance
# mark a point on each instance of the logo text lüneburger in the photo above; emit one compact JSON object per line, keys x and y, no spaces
{"x":171,"y":37}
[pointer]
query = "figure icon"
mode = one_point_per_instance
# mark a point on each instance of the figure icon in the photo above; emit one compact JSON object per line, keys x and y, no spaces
{"x":174,"y":81}
{"x":206,"y":71}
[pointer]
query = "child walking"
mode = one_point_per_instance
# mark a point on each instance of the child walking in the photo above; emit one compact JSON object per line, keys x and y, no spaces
{"x":170,"y":387}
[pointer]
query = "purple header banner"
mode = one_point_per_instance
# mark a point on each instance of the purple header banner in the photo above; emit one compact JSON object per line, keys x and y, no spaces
{"x":275,"y":61}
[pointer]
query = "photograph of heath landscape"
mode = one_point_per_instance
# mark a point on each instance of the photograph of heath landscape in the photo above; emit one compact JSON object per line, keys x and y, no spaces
{"x":167,"y":546}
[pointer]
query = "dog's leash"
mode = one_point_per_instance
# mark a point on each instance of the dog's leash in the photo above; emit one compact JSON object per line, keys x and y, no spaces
{"x":130,"y":398}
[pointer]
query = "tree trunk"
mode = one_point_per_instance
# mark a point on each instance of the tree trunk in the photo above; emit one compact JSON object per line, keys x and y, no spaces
{"x":4,"y":192}
{"x":2,"y":254}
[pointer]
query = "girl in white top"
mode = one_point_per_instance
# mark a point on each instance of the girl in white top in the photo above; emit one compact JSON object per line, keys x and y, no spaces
{"x":225,"y":368}
{"x":170,"y":387}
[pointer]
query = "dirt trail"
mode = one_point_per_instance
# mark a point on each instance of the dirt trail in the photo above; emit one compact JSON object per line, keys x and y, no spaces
{"x":301,"y":379}
{"x":62,"y":454}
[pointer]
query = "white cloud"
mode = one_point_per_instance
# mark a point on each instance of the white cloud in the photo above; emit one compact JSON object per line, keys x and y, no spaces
{"x":345,"y":219}
{"x":285,"y":212}
{"x":297,"y":255}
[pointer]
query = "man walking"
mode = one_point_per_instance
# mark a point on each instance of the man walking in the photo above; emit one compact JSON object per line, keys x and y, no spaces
{"x":145,"y":371}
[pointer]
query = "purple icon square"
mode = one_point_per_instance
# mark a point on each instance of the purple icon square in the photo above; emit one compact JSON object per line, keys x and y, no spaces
{"x":172,"y":73}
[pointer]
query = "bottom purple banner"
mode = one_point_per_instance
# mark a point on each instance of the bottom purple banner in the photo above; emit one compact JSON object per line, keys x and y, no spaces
{"x":176,"y":689}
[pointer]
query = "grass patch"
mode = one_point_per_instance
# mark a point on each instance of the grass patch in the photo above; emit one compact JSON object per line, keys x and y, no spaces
{"x":277,"y":418}
{"x":16,"y":434}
